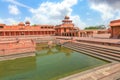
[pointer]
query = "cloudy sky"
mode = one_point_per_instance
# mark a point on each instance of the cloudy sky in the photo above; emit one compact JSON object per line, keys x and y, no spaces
{"x":82,"y":12}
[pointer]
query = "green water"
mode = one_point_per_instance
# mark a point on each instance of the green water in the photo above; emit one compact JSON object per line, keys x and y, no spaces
{"x":48,"y":64}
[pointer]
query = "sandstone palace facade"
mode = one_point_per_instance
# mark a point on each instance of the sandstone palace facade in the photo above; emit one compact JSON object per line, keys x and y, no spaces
{"x":67,"y":28}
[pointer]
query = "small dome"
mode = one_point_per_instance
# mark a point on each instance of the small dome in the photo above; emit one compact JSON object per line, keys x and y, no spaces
{"x":27,"y":22}
{"x":21,"y":24}
{"x":67,"y":17}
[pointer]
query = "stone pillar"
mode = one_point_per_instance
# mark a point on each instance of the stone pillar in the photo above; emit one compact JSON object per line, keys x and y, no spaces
{"x":3,"y":33}
{"x":39,"y":32}
{"x":9,"y":33}
{"x":32,"y":33}
{"x":78,"y":34}
{"x":111,"y":32}
{"x":29,"y":33}
{"x":75,"y":34}
{"x":14,"y":33}
{"x":82,"y":34}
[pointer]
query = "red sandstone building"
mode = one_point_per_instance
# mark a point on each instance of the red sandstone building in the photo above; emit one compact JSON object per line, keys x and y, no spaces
{"x":26,"y":29}
{"x":67,"y":28}
{"x":115,"y":29}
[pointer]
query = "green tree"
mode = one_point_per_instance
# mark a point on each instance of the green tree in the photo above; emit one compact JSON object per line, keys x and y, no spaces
{"x":34,"y":25}
{"x":96,"y":27}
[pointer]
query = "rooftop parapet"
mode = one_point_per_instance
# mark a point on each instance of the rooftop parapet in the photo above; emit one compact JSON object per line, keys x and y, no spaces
{"x":115,"y":23}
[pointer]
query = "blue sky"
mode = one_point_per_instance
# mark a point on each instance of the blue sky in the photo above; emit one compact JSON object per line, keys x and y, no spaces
{"x":83,"y":12}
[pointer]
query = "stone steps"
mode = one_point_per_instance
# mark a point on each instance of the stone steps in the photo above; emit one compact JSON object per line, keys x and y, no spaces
{"x":94,"y":53}
{"x":100,"y":57}
{"x":90,"y":51}
{"x":107,"y":56}
{"x":117,"y":53}
{"x":103,"y":49}
{"x":97,"y":50}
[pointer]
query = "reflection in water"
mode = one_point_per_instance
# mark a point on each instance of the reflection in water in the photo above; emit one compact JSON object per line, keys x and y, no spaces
{"x":66,"y":51}
{"x":49,"y":64}
{"x":53,"y":50}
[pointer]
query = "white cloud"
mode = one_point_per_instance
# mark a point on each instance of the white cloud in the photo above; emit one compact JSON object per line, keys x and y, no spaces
{"x":78,"y":22}
{"x":112,"y":3}
{"x":9,"y":21}
{"x":107,"y":8}
{"x":106,"y":11}
{"x":13,"y":10}
{"x":53,"y":13}
{"x":1,"y":20}
{"x":15,"y":2}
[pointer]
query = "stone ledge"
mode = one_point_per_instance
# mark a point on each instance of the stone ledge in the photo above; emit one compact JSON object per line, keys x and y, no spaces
{"x":15,"y":56}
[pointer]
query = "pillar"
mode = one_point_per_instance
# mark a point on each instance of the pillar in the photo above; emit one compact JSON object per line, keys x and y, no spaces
{"x":4,"y":34}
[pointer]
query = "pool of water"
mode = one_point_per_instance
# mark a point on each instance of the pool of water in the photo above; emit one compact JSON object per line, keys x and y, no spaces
{"x":48,"y":64}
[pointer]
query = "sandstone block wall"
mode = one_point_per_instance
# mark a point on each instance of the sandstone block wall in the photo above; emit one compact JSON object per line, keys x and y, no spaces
{"x":16,"y":47}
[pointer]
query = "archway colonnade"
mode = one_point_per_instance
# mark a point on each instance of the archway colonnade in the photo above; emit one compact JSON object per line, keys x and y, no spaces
{"x":78,"y":34}
{"x":17,"y":33}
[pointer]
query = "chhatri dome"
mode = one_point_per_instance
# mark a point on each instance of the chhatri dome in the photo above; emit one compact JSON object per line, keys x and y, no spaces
{"x":67,"y":17}
{"x":21,"y":24}
{"x":67,"y":20}
{"x":27,"y":22}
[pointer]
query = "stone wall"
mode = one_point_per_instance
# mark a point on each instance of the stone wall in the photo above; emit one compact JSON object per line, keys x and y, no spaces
{"x":16,"y":47}
{"x":116,"y":32}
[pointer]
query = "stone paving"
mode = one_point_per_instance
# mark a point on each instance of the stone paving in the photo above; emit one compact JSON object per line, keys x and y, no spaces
{"x":107,"y":72}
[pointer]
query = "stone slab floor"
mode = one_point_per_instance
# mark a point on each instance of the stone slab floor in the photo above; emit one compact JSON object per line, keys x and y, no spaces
{"x":107,"y":72}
